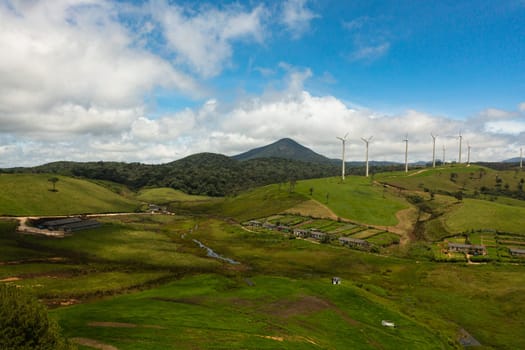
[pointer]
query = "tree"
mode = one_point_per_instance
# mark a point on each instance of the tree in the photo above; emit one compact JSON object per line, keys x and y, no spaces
{"x":24,"y":323}
{"x":53,"y":180}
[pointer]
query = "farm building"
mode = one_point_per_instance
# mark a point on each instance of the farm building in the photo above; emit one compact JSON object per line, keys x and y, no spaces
{"x":317,"y":234}
{"x":354,"y":242}
{"x":301,"y":233}
{"x":517,"y":252}
{"x":284,"y":228}
{"x":268,"y":225}
{"x":467,"y":248}
{"x":81,"y":225}
{"x":253,"y":223}
{"x":58,"y":223}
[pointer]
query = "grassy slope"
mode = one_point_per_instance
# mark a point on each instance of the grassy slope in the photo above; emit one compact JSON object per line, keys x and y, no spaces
{"x":29,"y":194}
{"x":357,"y":199}
{"x":166,"y":195}
{"x":211,"y":311}
{"x":477,"y":214}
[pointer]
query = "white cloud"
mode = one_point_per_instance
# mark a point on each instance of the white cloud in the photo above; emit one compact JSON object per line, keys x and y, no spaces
{"x":297,"y":17}
{"x":370,"y":38}
{"x":521,"y":107}
{"x":203,"y":40}
{"x":370,"y":52}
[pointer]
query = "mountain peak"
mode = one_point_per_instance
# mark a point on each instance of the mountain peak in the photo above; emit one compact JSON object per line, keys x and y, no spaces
{"x":284,"y":148}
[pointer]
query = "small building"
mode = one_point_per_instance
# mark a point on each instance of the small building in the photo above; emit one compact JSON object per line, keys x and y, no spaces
{"x":519,"y":253}
{"x":317,"y":235}
{"x":253,"y":223}
{"x":467,"y":248}
{"x":336,"y":280}
{"x":298,"y":232}
{"x":284,"y":228}
{"x":81,"y":225}
{"x":354,"y":242}
{"x":268,"y":226}
{"x":58,"y":223}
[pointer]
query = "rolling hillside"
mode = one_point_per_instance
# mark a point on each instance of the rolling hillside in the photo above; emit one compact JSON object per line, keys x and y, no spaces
{"x":31,"y":194}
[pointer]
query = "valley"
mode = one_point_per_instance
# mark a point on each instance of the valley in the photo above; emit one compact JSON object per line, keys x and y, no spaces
{"x":140,"y":280}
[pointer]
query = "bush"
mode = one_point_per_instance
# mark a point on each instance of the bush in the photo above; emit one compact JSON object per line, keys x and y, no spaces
{"x":24,"y":323}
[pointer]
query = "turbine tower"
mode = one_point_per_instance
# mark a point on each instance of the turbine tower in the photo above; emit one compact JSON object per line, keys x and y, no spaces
{"x":468,"y":156}
{"x":521,"y":158}
{"x":366,"y":141}
{"x":343,"y":141}
{"x":460,"y":141}
{"x":443,"y":155}
{"x":433,"y":150}
{"x":405,"y":140}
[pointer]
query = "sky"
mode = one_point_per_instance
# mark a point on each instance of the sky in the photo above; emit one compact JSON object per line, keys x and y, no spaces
{"x":154,"y":81}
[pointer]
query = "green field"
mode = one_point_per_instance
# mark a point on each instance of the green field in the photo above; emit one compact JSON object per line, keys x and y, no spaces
{"x":483,"y":215}
{"x":356,"y":199}
{"x":141,"y":282}
{"x":166,"y":195}
{"x":31,"y":194}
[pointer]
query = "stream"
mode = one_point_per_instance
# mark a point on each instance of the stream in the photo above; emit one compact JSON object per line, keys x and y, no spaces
{"x":212,"y":254}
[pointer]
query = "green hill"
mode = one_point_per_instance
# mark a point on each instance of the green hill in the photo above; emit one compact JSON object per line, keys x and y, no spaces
{"x":32,"y":194}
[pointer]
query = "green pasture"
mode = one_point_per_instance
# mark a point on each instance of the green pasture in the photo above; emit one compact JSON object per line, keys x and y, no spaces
{"x":214,"y":312}
{"x":31,"y":194}
{"x":166,"y":195}
{"x":474,"y":214}
{"x":356,"y":199}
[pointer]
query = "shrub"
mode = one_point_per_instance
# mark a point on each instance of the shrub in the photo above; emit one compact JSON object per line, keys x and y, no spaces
{"x":24,"y":323}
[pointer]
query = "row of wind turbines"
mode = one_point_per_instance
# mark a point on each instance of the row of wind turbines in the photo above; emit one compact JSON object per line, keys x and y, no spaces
{"x":405,"y":140}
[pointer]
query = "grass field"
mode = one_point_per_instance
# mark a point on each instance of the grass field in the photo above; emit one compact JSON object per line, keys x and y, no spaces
{"x":357,"y":199}
{"x":166,"y":195}
{"x":141,"y":282}
{"x":483,"y":215}
{"x":31,"y":194}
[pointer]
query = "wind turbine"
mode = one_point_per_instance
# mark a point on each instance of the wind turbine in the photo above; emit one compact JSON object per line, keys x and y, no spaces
{"x":343,"y":140}
{"x":521,"y":158}
{"x":468,"y":157}
{"x":433,"y":150}
{"x":405,"y":140}
{"x":444,"y":149}
{"x":366,"y":141}
{"x":460,"y":140}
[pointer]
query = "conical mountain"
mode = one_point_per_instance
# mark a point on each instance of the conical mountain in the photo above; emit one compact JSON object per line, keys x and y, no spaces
{"x":285,"y":148}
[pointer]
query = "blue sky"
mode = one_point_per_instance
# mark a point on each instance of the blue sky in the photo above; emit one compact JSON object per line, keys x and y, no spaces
{"x":153,"y":81}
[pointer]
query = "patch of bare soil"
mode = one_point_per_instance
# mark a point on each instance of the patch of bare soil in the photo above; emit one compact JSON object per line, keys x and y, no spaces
{"x":10,"y":279}
{"x":302,"y":306}
{"x":312,"y":208}
{"x":92,"y":343}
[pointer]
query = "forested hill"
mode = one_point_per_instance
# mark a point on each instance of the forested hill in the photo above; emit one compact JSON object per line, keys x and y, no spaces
{"x":284,"y":148}
{"x":205,"y":173}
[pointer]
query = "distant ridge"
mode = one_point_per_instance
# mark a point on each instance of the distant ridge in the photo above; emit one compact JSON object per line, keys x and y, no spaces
{"x":284,"y":148}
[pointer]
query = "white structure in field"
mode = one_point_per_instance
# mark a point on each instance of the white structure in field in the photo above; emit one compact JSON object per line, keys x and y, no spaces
{"x":405,"y":140}
{"x":433,"y":150}
{"x":444,"y":151}
{"x":343,"y":141}
{"x":366,"y":141}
